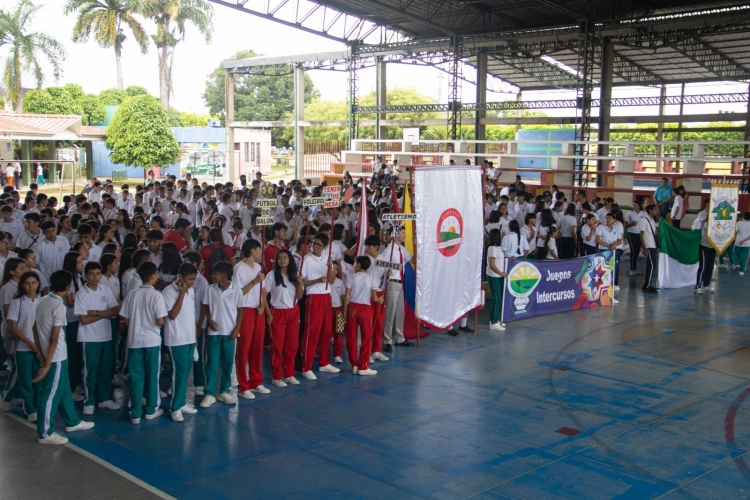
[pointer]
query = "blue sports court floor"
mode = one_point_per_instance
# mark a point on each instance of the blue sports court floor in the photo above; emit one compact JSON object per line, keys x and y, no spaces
{"x":643,"y":400}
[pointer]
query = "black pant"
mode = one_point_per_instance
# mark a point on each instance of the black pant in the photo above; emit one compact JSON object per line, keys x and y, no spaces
{"x":588,"y":249}
{"x":635,"y":249}
{"x":567,"y":248}
{"x":706,"y":261}
{"x":676,"y":223}
{"x":652,"y":266}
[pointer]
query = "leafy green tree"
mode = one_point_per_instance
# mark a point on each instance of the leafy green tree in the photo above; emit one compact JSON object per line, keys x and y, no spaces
{"x":107,"y":18}
{"x":112,"y":97}
{"x":134,"y":90}
{"x":139,"y":134}
{"x":51,"y":101}
{"x":93,"y":109}
{"x":75,"y":90}
{"x":171,"y":18}
{"x":257,"y":97}
{"x":26,"y":50}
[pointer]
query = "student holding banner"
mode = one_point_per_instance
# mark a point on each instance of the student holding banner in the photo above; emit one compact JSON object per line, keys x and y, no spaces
{"x":496,"y":275}
{"x":372,"y":246}
{"x":393,"y":331}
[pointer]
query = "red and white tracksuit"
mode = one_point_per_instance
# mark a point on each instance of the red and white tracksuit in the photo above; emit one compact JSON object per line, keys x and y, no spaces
{"x":250,"y":349}
{"x":359,"y":316}
{"x":285,"y":340}
{"x":318,"y":330}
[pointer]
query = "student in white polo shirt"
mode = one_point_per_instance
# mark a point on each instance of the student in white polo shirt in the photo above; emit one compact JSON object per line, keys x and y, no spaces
{"x":144,"y":312}
{"x":50,"y":252}
{"x":179,"y":335}
{"x":222,"y":305}
{"x":361,"y":294}
{"x":54,"y":388}
{"x":95,"y":305}
{"x":199,"y":291}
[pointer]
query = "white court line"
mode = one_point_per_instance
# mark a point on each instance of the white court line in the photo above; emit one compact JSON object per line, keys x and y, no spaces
{"x":101,"y":462}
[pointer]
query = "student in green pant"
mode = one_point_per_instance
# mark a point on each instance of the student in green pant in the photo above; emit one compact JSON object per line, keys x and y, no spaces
{"x":179,"y":335}
{"x":95,"y":305}
{"x":199,"y":290}
{"x":14,"y":269}
{"x":73,"y":263}
{"x":144,"y":312}
{"x":21,"y":318}
{"x":54,"y":388}
{"x":222,"y":305}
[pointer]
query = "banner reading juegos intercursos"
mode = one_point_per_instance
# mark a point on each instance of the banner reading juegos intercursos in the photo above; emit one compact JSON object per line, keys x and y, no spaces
{"x":540,"y":287}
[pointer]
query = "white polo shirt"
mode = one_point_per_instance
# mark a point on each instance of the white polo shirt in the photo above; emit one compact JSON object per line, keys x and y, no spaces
{"x":100,"y":299}
{"x":199,"y":290}
{"x":6,"y":297}
{"x":143,"y":306}
{"x":181,"y":330}
{"x":70,"y":314}
{"x":95,"y":253}
{"x":113,"y":283}
{"x":227,"y":212}
{"x":743,"y":232}
{"x":361,"y":286}
{"x":223,"y":307}
{"x":606,"y":235}
{"x":126,"y":277}
{"x":28,"y":240}
{"x":23,"y":311}
{"x":14,"y":227}
{"x":282,"y":297}
{"x":50,"y":312}
{"x":314,"y":268}
{"x":337,"y":289}
{"x":243,"y":275}
{"x":51,"y":255}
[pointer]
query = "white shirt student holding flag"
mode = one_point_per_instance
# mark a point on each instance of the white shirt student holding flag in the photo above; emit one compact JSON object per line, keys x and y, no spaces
{"x":393,"y":329}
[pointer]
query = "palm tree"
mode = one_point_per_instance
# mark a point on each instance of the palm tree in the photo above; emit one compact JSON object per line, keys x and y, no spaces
{"x":26,"y":49}
{"x":171,"y":18}
{"x":106,"y":18}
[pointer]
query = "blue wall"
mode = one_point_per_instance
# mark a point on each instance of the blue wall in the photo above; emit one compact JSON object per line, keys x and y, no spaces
{"x":103,"y":166}
{"x":549,"y":148}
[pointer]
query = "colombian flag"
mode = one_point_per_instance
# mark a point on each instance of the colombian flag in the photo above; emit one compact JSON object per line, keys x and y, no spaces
{"x":410,"y":288}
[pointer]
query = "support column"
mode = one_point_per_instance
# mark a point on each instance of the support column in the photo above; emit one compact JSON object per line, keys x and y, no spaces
{"x":380,"y":98}
{"x":89,"y":148}
{"x":479,"y":115}
{"x":519,"y":111}
{"x":696,"y":165}
{"x":660,"y":129}
{"x":605,"y":110}
{"x":678,"y":164}
{"x":299,"y":115}
{"x":745,"y":186}
{"x":229,"y":119}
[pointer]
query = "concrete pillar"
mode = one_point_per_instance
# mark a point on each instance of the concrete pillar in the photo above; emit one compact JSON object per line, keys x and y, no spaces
{"x":299,"y":115}
{"x":89,"y":148}
{"x":660,"y":130}
{"x":519,"y":111}
{"x":229,"y":118}
{"x":481,"y":98}
{"x":696,"y":165}
{"x":350,"y":157}
{"x":380,"y":98}
{"x":509,"y":161}
{"x":624,"y":181}
{"x":558,"y":163}
{"x":605,"y":109}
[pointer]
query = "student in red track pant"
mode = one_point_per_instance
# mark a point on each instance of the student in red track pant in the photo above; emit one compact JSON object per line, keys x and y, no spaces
{"x":317,"y":272}
{"x":360,"y":294}
{"x":337,"y":296}
{"x":372,"y":246}
{"x":249,"y":277}
{"x":284,"y":286}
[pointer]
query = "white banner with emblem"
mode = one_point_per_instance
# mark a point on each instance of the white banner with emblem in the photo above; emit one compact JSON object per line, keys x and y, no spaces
{"x":449,"y":209}
{"x":722,"y":215}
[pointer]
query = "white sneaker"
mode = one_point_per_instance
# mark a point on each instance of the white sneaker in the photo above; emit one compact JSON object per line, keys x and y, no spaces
{"x":110,"y":405}
{"x":119,"y":395}
{"x":698,"y":291}
{"x":309,"y":375}
{"x":190,"y":410}
{"x":88,"y":410}
{"x":53,"y":438}
{"x":162,"y":394}
{"x":278,"y":383}
{"x":616,"y":287}
{"x":247,"y":395}
{"x":708,"y":289}
{"x":261,"y":389}
{"x":207,"y":401}
{"x":338,"y":360}
{"x":157,"y":413}
{"x":741,"y":273}
{"x":177,"y":416}
{"x":79,"y":390}
{"x":372,"y":358}
{"x":32,"y":418}
{"x":497,"y":327}
{"x":355,"y":370}
{"x":291,"y":381}
{"x":82,"y":426}
{"x":227,"y":398}
{"x":369,"y":371}
{"x":328,"y":369}
{"x":169,"y":391}
{"x":77,"y":397}
{"x":199,"y":391}
{"x":4,"y":405}
{"x":380,"y":356}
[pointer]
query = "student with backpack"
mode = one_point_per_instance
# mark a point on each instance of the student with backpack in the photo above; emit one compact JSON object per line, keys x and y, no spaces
{"x":217,"y":251}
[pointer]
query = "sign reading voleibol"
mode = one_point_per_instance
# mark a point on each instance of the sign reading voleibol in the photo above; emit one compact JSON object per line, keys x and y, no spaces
{"x":449,"y":207}
{"x":722,"y":215}
{"x":539,"y":287}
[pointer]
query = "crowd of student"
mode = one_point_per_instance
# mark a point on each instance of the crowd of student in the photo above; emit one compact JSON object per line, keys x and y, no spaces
{"x":101,"y":289}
